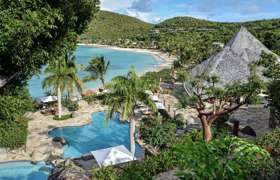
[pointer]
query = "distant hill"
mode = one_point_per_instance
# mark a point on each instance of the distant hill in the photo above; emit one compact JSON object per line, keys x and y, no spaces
{"x":186,"y":22}
{"x":114,"y":26}
{"x":190,"y":23}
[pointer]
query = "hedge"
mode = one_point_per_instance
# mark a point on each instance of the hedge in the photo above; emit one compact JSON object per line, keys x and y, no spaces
{"x":13,"y":134}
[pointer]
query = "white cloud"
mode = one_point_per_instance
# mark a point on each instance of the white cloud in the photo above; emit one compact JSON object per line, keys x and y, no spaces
{"x":115,"y":5}
{"x":144,"y":16}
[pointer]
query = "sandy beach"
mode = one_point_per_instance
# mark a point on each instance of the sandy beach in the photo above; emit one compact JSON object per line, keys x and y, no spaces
{"x":166,"y":60}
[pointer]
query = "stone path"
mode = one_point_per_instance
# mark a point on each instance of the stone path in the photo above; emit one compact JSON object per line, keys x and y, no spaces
{"x":39,"y":146}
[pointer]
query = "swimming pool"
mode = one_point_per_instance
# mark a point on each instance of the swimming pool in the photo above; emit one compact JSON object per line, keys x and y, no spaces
{"x":99,"y":134}
{"x":24,"y":170}
{"x":120,"y":62}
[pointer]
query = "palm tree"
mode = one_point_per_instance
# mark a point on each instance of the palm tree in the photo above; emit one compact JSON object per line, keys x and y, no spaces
{"x":126,"y":92}
{"x":61,"y":75}
{"x":97,"y":68}
{"x":73,"y":67}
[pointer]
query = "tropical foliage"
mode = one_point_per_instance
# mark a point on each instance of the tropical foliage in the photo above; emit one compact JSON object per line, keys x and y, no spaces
{"x":126,"y":92}
{"x":13,"y":134}
{"x":13,"y":127}
{"x":158,"y":133}
{"x":97,"y":68}
{"x":231,"y":158}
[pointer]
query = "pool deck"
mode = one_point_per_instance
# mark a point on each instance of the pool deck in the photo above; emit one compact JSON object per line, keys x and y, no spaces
{"x":39,"y":145}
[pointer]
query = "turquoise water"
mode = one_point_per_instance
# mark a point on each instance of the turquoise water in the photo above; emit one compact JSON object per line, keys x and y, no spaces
{"x":24,"y":170}
{"x":99,"y":134}
{"x":120,"y":61}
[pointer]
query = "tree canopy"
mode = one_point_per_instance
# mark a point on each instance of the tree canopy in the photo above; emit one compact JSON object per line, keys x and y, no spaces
{"x":35,"y":32}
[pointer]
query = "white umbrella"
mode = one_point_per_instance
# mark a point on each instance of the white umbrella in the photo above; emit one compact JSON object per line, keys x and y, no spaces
{"x":155,"y":98}
{"x":48,"y":99}
{"x":159,"y":105}
{"x":112,"y":156}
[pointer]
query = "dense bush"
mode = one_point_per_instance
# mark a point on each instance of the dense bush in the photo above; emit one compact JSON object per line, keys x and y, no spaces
{"x":90,"y":98}
{"x":71,"y":105}
{"x":63,"y":117}
{"x":158,"y":133}
{"x":108,"y":173}
{"x":14,"y":103}
{"x":225,"y":158}
{"x":13,"y":134}
{"x":271,"y":142}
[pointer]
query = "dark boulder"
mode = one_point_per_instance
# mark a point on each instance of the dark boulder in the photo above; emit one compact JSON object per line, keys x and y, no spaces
{"x":69,"y":173}
{"x":59,"y":141}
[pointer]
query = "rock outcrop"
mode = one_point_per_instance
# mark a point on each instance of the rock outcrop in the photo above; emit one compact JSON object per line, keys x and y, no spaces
{"x":68,"y":171}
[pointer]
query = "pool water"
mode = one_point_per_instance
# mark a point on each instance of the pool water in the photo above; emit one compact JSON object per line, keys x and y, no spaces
{"x":120,"y":62}
{"x":24,"y":170}
{"x":99,"y":134}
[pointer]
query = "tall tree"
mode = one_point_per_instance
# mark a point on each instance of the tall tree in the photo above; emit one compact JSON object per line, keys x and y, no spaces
{"x":34,"y":33}
{"x":97,"y":68}
{"x":77,"y":83}
{"x":126,"y":92}
{"x":61,"y":76}
{"x":213,"y":101}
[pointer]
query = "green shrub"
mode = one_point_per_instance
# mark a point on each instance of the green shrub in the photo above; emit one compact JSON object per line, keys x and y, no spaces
{"x":225,"y":158}
{"x":158,"y":134}
{"x":271,"y":142}
{"x":71,"y":105}
{"x":108,"y":173}
{"x":63,"y":117}
{"x":13,"y":134}
{"x":14,"y":102}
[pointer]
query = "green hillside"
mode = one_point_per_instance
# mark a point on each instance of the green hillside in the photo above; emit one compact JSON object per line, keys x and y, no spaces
{"x":186,"y":22}
{"x":192,"y":40}
{"x":109,"y":26}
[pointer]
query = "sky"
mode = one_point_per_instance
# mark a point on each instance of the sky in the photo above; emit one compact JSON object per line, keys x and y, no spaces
{"x":155,"y":11}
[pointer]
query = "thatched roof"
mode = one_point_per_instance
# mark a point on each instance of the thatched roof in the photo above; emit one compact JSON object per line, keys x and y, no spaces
{"x":231,"y":64}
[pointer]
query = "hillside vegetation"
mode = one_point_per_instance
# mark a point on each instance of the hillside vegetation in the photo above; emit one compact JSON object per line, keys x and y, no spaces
{"x":192,"y":40}
{"x":109,"y":26}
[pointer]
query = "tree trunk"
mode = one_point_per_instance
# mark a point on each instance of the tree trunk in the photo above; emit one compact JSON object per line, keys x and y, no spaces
{"x":207,"y":133}
{"x":59,"y":103}
{"x":132,"y":136}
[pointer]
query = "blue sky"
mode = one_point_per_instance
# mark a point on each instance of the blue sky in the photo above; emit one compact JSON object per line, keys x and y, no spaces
{"x":218,"y":10}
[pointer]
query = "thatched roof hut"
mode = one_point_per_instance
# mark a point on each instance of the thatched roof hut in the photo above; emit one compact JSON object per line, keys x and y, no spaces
{"x":231,"y":64}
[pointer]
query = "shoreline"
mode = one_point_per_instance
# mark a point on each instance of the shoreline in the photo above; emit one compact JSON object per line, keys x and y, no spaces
{"x":167,"y":60}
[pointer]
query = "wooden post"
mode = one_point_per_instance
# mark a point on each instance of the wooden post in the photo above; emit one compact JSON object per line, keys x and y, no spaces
{"x":169,"y":108}
{"x":235,"y":128}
